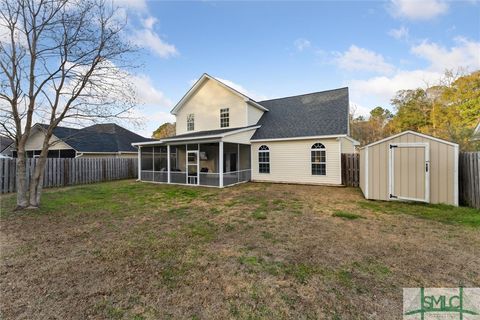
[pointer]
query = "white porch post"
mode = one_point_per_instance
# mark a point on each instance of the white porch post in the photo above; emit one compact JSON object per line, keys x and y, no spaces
{"x":238,"y":162}
{"x":220,"y":162}
{"x":168,"y":163}
{"x":139,"y":164}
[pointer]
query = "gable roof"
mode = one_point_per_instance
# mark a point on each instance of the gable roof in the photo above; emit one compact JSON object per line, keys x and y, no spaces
{"x":206,"y":134}
{"x":206,"y":77}
{"x":108,"y":137}
{"x":5,"y":142}
{"x":322,"y":113}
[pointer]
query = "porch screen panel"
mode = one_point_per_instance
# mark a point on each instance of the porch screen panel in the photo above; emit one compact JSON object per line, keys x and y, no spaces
{"x":160,"y":164}
{"x":146,"y":157}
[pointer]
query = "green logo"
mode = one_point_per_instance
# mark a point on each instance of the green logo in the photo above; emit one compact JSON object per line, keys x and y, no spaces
{"x":441,"y":303}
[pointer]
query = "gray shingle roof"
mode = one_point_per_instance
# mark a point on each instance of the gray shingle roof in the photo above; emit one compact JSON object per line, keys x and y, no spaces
{"x":107,"y":137}
{"x":206,"y":133}
{"x":314,"y":114}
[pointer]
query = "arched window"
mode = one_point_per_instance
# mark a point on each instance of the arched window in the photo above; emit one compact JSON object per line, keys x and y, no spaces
{"x":263,"y":159}
{"x":319,"y":160}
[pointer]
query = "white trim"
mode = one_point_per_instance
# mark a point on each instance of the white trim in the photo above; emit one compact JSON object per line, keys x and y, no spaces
{"x":269,"y":158}
{"x":139,"y":164}
{"x":391,"y":166}
{"x":168,"y":163}
{"x":455,"y":175}
{"x":220,"y":163}
{"x":301,"y":138}
{"x":412,"y":132}
{"x":339,"y":160}
{"x":119,"y":152}
{"x":197,"y":84}
{"x":197,"y":153}
{"x":366,"y":193}
{"x":146,"y":143}
{"x":222,"y":135}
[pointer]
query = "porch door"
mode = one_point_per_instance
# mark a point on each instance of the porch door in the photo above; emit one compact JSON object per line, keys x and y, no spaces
{"x":229,"y":162}
{"x":409,"y":171}
{"x":192,"y":167}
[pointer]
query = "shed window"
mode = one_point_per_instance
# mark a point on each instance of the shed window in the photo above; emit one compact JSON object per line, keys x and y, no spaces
{"x":191,"y":122}
{"x":319,"y":163}
{"x":224,"y":117}
{"x":263,"y":159}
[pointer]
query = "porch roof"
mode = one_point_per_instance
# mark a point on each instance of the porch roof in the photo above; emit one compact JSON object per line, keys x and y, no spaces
{"x":199,"y":135}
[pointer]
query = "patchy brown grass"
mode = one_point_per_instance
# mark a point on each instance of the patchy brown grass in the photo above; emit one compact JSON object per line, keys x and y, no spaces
{"x":128,"y":250}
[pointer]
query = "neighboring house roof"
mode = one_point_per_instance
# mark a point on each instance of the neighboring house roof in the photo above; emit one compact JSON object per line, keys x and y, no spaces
{"x":107,"y":137}
{"x":5,"y":142}
{"x":315,"y":114}
{"x":206,"y":77}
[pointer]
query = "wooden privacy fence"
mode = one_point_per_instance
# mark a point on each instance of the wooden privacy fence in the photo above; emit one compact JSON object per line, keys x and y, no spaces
{"x":351,"y":169}
{"x":68,"y":172}
{"x":469,"y":179}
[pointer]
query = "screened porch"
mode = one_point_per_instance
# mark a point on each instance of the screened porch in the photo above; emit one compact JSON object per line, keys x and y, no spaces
{"x":215,"y":164}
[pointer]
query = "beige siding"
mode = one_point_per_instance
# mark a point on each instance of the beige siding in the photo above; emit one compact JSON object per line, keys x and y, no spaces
{"x":35,"y":142}
{"x":241,"y":137}
{"x":206,"y":103}
{"x":254,"y":114}
{"x":347,"y":146}
{"x":442,"y":169}
{"x":290,"y":161}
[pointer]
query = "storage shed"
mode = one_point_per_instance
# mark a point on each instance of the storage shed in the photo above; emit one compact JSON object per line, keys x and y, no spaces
{"x":410,"y":166}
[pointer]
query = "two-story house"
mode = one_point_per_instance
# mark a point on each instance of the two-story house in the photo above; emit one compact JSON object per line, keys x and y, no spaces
{"x":224,"y":137}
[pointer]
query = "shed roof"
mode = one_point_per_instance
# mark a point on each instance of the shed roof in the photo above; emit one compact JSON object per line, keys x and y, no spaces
{"x":411,"y":132}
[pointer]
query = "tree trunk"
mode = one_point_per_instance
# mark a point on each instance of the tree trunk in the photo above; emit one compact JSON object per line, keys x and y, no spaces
{"x":22,"y":187}
{"x":36,"y":183}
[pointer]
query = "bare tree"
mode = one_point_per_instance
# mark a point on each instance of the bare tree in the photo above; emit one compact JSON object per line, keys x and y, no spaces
{"x":60,"y":60}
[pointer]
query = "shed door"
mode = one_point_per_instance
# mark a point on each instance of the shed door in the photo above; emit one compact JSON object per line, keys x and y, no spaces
{"x":409,"y":171}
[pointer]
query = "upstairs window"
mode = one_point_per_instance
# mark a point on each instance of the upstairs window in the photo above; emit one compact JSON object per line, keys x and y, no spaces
{"x":224,"y":118}
{"x":263,"y":159}
{"x":191,"y":122}
{"x":319,"y":160}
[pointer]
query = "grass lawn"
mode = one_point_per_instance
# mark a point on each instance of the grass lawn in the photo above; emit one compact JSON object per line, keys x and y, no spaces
{"x":129,"y":250}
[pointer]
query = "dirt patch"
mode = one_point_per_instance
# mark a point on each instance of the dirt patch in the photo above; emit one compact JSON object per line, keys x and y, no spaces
{"x":131,"y":250}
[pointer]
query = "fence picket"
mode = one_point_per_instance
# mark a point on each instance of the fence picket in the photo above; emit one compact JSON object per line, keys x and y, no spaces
{"x":350,"y":169}
{"x":65,"y":172}
{"x":469,"y":179}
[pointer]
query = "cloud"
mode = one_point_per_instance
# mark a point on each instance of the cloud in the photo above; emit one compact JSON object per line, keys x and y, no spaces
{"x":359,"y":110}
{"x":383,"y":88}
{"x":147,"y":37}
{"x":418,"y":9}
{"x":400,"y":33}
{"x":138,"y":5}
{"x":251,"y":94}
{"x":465,"y":54}
{"x":147,"y":93}
{"x":302,"y":44}
{"x":360,"y":59}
